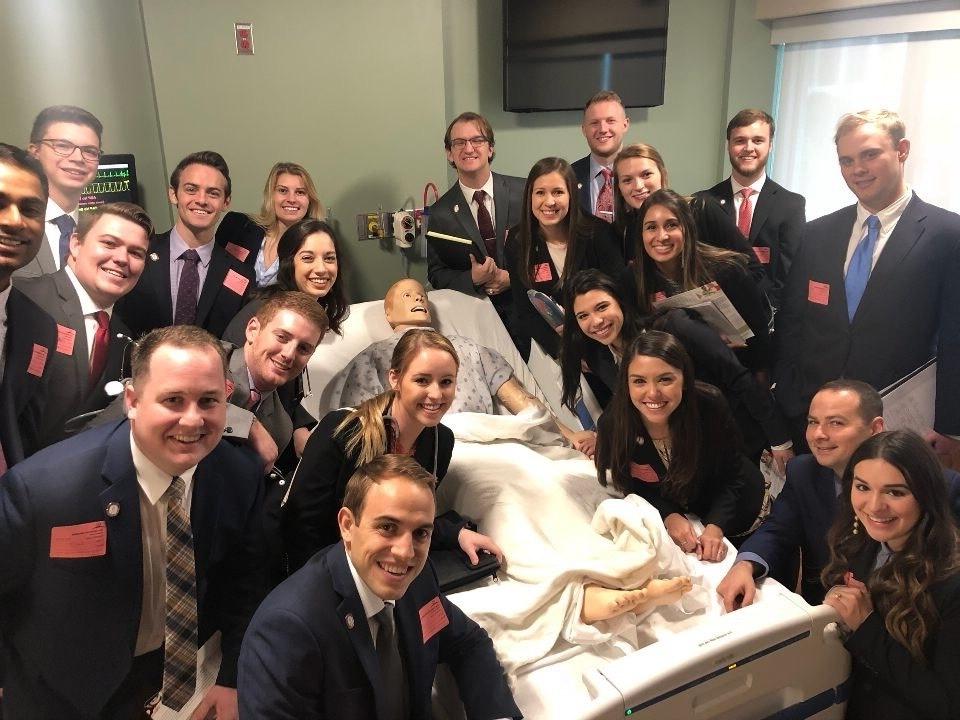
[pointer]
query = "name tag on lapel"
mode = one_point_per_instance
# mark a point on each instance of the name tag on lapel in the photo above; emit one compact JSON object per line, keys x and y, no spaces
{"x":818,"y":293}
{"x":38,"y":360}
{"x":79,"y":541}
{"x":541,"y":273}
{"x":644,"y":472}
{"x":236,"y":282}
{"x":762,"y":253}
{"x":240,"y":253}
{"x":433,"y":618}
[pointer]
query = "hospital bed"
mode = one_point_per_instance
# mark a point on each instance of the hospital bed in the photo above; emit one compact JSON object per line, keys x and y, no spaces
{"x":779,"y":658}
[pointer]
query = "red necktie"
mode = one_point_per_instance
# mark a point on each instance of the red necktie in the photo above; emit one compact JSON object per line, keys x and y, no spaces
{"x":101,"y":341}
{"x":485,"y":224}
{"x":745,"y":216}
{"x":605,"y":197}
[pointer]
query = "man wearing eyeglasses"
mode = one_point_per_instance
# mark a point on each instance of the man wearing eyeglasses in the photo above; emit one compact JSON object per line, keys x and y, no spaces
{"x":66,"y":141}
{"x":478,"y":208}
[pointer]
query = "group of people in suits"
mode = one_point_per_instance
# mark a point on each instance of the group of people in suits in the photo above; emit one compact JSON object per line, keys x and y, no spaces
{"x":165,"y":517}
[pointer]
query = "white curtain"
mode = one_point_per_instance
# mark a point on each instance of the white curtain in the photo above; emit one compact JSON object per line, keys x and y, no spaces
{"x":918,"y":75}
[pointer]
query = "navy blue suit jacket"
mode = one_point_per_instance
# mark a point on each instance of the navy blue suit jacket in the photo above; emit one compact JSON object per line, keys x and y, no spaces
{"x":150,"y":305}
{"x":308,"y":654}
{"x":801,"y":517}
{"x":70,"y":624}
{"x":448,"y":262}
{"x":910,"y":311}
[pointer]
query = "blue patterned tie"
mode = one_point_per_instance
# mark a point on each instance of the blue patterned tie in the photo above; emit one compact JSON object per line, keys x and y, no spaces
{"x":860,"y":265}
{"x":180,"y":644}
{"x":67,"y":226}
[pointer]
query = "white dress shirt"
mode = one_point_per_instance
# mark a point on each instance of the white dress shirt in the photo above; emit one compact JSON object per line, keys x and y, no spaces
{"x":488,"y":200}
{"x":756,"y":186}
{"x":153,"y":484}
{"x":51,"y":231}
{"x":89,"y":309}
{"x":889,"y":217}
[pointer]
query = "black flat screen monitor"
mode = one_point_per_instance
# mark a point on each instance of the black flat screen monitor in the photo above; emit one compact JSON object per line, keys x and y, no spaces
{"x":116,"y":181}
{"x":558,"y":53}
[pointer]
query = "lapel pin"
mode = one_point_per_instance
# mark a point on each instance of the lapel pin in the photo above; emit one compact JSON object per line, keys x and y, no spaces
{"x":723,"y":201}
{"x":456,"y":208}
{"x":350,"y":621}
{"x":579,"y":186}
{"x":113,"y":509}
{"x":154,"y":256}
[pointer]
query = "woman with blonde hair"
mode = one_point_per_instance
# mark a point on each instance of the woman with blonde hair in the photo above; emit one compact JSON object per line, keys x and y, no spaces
{"x":289,"y":196}
{"x":403,"y":420}
{"x":894,"y":579}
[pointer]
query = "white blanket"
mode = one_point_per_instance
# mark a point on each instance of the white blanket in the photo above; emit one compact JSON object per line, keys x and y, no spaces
{"x":558,"y":529}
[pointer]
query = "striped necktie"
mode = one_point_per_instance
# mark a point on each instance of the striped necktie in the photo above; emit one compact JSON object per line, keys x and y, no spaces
{"x":180,"y":648}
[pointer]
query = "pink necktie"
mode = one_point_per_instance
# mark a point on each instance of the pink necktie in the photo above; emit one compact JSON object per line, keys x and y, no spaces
{"x":745,"y":216}
{"x":605,"y":197}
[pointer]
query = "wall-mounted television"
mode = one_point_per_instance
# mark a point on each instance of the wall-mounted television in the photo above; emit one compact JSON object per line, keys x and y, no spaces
{"x":116,"y":181}
{"x":558,"y":53}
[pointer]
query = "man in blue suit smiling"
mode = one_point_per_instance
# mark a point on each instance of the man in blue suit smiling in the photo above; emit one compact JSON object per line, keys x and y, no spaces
{"x":358,"y":631}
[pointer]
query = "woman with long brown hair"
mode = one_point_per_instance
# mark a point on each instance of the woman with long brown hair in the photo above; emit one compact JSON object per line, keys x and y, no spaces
{"x":894,"y":579}
{"x":403,"y":420}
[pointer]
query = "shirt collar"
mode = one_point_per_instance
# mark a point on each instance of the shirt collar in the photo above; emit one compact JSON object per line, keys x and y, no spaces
{"x":469,"y":191}
{"x":890,"y":214}
{"x":87,"y":305}
{"x":371,"y":603}
{"x":178,"y":246}
{"x":756,"y":185}
{"x":595,"y":167}
{"x":54,"y":211}
{"x":4,"y":296}
{"x":153,"y":480}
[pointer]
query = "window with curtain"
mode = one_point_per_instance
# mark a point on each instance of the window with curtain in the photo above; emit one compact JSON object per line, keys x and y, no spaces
{"x":914,"y":74}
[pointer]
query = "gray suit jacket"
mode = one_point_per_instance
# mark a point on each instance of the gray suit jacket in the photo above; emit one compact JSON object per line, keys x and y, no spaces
{"x":43,"y":264}
{"x":448,"y":262}
{"x":269,"y":412}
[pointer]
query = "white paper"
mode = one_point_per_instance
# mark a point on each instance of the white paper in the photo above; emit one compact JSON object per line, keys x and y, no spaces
{"x":908,"y":404}
{"x":713,"y":305}
{"x":208,"y":665}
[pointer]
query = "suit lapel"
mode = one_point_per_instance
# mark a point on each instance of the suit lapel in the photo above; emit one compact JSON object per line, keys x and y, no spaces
{"x":157,"y":275}
{"x":45,"y":258}
{"x":501,"y":195}
{"x":354,"y":618}
{"x":219,"y":264}
{"x":241,"y":379}
{"x":71,"y":307}
{"x":724,"y":194}
{"x":761,"y":210}
{"x":410,"y":633}
{"x":124,"y":540}
{"x":829,"y":267}
{"x":461,"y":211}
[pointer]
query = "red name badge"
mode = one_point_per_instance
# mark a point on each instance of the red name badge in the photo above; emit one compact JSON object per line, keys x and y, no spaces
{"x":236,"y":282}
{"x":818,"y":292}
{"x":762,"y":253}
{"x":240,"y":253}
{"x":433,"y":618}
{"x":79,"y":541}
{"x":65,"y":338}
{"x":658,"y":296}
{"x":541,"y":273}
{"x":38,"y":360}
{"x":644,"y":472}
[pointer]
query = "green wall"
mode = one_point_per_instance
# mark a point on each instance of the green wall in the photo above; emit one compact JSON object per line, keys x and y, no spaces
{"x":360,"y":93}
{"x":90,"y":53}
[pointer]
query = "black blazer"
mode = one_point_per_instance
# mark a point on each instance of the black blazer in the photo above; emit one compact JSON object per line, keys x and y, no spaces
{"x":886,"y":682}
{"x":149,"y":305}
{"x":448,"y":262}
{"x":599,"y":251}
{"x":241,"y":237}
{"x":908,"y":313}
{"x":581,"y":168}
{"x":776,"y":228}
{"x":320,"y":481}
{"x":308,"y":654}
{"x":71,"y":623}
{"x":71,"y":392}
{"x":727,"y":489}
{"x":29,"y":347}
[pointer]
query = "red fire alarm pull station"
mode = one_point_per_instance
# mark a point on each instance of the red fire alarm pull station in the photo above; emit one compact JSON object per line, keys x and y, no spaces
{"x":244,"y":33}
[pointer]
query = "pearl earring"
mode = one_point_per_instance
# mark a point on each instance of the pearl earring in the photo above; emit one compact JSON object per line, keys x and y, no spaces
{"x":856,"y":524}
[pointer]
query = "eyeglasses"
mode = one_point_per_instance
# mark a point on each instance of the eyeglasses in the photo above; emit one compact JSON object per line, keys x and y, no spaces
{"x":460,"y":143}
{"x":65,"y":148}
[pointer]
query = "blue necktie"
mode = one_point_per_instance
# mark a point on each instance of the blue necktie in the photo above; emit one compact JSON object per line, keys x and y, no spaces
{"x":67,"y":226}
{"x":860,"y":265}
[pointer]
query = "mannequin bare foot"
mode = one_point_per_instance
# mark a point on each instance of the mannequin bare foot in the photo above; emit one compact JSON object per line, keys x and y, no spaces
{"x":600,"y":603}
{"x":664,"y":592}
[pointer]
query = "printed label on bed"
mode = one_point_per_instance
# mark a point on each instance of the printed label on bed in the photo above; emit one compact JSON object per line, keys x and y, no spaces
{"x":240,"y":253}
{"x":433,"y":618}
{"x":762,"y":253}
{"x":644,"y":472}
{"x":541,"y":273}
{"x":236,"y":282}
{"x":79,"y":541}
{"x":38,"y":360}
{"x":65,"y":338}
{"x":818,"y":292}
